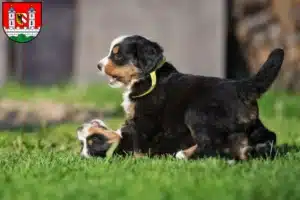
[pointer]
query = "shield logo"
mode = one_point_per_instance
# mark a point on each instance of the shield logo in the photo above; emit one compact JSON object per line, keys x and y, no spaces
{"x":21,"y":21}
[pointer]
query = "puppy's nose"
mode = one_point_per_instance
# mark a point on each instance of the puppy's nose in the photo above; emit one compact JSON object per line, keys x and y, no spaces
{"x":100,"y":66}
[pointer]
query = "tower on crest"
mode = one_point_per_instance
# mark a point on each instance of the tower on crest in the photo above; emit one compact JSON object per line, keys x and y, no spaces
{"x":31,"y":13}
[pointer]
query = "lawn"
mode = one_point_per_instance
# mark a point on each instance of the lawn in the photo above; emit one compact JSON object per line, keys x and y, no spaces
{"x":43,"y":163}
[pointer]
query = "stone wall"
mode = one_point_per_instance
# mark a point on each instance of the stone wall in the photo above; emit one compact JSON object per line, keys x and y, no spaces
{"x":191,"y":32}
{"x":266,"y":24}
{"x":76,"y":34}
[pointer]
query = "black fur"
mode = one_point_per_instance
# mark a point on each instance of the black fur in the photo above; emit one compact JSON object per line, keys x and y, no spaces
{"x":210,"y":109}
{"x":149,"y":54}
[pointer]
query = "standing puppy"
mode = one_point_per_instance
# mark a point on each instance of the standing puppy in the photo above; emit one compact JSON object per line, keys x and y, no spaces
{"x":158,"y":99}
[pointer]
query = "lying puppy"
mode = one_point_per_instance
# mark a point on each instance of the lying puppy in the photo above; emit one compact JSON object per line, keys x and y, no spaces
{"x":159,"y":99}
{"x":97,"y":140}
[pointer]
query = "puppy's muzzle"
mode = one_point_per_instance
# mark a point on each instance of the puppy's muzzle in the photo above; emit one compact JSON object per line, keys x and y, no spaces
{"x":100,"y":66}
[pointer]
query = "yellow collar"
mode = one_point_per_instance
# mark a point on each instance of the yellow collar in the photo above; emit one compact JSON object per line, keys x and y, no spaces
{"x":153,"y":79}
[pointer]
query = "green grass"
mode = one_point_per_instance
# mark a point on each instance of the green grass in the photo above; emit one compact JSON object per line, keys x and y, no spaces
{"x":97,"y":95}
{"x":43,"y":163}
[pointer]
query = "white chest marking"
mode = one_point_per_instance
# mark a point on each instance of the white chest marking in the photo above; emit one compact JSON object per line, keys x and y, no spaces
{"x":126,"y":104}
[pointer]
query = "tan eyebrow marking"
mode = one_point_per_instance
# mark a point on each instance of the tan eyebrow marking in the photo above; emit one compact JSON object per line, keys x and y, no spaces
{"x":116,"y":49}
{"x":110,"y":135}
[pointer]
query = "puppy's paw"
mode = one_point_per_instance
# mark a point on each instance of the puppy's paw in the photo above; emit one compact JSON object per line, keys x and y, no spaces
{"x":181,"y":155}
{"x":245,"y":152}
{"x":138,"y":155}
{"x":231,"y":162}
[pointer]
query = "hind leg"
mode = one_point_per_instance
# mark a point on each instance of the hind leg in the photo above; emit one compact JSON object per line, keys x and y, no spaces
{"x":187,"y":153}
{"x":208,"y":135}
{"x":204,"y":142}
{"x":239,"y":146}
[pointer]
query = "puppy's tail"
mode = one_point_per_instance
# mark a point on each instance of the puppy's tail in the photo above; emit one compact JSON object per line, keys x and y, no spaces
{"x":257,"y":85}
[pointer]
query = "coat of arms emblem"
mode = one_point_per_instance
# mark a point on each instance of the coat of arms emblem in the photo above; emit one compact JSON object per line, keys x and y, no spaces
{"x":22,"y":21}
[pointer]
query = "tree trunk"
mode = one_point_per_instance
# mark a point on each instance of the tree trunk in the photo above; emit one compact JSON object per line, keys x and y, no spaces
{"x":266,"y":24}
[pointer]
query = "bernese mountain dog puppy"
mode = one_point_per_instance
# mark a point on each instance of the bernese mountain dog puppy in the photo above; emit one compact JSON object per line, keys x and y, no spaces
{"x":217,"y":113}
{"x":98,"y":140}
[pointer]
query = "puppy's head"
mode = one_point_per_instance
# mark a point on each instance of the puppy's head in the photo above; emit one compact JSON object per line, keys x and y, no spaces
{"x":130,"y":58}
{"x":96,"y":138}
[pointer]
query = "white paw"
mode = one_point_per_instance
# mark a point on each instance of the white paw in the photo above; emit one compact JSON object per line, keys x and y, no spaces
{"x":231,"y":162}
{"x":180,"y":155}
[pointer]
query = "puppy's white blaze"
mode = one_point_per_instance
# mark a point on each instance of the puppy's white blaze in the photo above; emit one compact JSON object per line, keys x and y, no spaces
{"x":100,"y":122}
{"x":84,"y":151}
{"x":117,"y":40}
{"x":180,"y":155}
{"x":82,"y":135}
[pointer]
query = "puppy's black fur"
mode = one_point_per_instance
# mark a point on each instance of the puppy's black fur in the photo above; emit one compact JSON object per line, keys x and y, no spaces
{"x":218,"y":113}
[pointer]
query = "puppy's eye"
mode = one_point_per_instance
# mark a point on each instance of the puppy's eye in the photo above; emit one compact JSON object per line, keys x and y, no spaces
{"x":118,"y":56}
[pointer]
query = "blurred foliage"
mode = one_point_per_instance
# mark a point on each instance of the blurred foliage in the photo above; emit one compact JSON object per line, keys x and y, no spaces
{"x":98,"y":95}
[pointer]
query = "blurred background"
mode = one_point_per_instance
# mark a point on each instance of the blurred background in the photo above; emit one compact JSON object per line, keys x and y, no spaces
{"x":224,"y":38}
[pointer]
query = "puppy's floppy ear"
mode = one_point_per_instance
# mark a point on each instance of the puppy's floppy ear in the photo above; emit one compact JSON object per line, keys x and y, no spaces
{"x":149,"y":54}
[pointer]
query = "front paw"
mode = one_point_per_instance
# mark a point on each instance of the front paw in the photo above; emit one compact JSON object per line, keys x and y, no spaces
{"x":181,"y":155}
{"x":138,"y":155}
